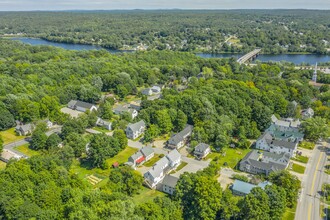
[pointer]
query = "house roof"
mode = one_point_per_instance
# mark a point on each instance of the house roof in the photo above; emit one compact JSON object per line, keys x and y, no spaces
{"x":157,"y":169}
{"x":173,"y":155}
{"x":283,"y":143}
{"x":146,"y":91}
{"x":25,"y":128}
{"x":187,"y":130}
{"x":254,"y":158}
{"x":201,"y":147}
{"x":265,"y":136}
{"x":287,"y":134}
{"x":275,"y":156}
{"x":136,"y":156}
{"x":81,"y":104}
{"x":136,"y":126}
{"x":283,"y":123}
{"x":170,"y":181}
{"x":242,"y":187}
{"x":146,"y":151}
{"x":176,"y":139}
{"x":100,"y":121}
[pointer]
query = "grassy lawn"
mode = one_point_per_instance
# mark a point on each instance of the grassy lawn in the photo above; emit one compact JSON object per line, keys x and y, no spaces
{"x":2,"y":165}
{"x":298,"y":168}
{"x":301,"y":159}
{"x":123,"y":156}
{"x":10,"y":136}
{"x":147,"y":195}
{"x":100,"y":129}
{"x":289,"y":214}
{"x":25,"y":149}
{"x":307,"y":145}
{"x":182,"y":165}
{"x":152,"y":161}
{"x":83,"y":170}
{"x":230,"y":156}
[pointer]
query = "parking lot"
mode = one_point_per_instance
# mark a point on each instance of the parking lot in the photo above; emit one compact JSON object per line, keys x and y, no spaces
{"x":72,"y":113}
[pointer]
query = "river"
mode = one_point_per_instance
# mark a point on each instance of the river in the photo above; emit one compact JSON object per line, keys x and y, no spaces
{"x":293,"y":58}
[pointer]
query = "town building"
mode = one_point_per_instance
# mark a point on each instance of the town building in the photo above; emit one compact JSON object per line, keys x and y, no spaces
{"x":7,"y":155}
{"x":277,"y":144}
{"x":287,"y":124}
{"x":202,"y":150}
{"x":81,"y":106}
{"x":180,"y":139}
{"x":140,"y":157}
{"x":147,"y":152}
{"x":156,"y":89}
{"x":240,"y":188}
{"x":135,"y":130}
{"x":256,"y":162}
{"x":135,"y":105}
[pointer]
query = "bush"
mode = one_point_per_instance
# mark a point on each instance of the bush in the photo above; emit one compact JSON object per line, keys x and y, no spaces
{"x":240,"y":177}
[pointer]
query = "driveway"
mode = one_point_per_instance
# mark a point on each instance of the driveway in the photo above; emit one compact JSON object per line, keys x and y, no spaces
{"x":72,"y":113}
{"x":225,"y":177}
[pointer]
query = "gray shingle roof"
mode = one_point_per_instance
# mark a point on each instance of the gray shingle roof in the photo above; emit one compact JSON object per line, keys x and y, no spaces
{"x":136,"y":126}
{"x":266,"y":136}
{"x":136,"y":155}
{"x":173,"y":155}
{"x":146,"y":151}
{"x":170,"y":181}
{"x":177,"y":138}
{"x":283,"y":143}
{"x":201,"y":147}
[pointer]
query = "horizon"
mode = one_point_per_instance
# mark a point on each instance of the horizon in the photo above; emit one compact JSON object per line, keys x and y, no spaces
{"x":115,"y":5}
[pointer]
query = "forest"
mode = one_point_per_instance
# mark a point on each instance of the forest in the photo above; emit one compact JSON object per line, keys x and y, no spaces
{"x":238,"y":31}
{"x":226,"y":102}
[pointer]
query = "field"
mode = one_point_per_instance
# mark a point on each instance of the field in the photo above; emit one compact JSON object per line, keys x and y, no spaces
{"x":96,"y":176}
{"x":147,"y":195}
{"x":10,"y":136}
{"x":298,"y":168}
{"x":301,"y":159}
{"x":25,"y":149}
{"x":2,"y":165}
{"x":230,"y":157}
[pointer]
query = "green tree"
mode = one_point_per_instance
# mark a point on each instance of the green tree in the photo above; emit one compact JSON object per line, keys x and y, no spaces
{"x":38,"y":140}
{"x":277,"y":201}
{"x":255,"y":205}
{"x":121,"y":138}
{"x":261,"y":115}
{"x":125,"y":180}
{"x":199,"y":196}
{"x":151,"y":133}
{"x":1,"y":144}
{"x":6,"y":119}
{"x":53,"y":141}
{"x":315,"y":128}
{"x":77,"y":142}
{"x":180,"y":121}
{"x":289,"y":183}
{"x":163,"y":121}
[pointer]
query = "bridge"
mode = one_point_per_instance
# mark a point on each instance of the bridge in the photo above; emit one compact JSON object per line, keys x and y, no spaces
{"x":249,"y":56}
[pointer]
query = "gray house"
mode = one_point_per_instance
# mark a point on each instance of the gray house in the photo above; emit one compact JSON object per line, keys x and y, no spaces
{"x":133,"y":131}
{"x":81,"y":106}
{"x":105,"y":124}
{"x":202,"y":150}
{"x":148,"y":153}
{"x":168,"y":184}
{"x":256,"y":162}
{"x":180,"y":139}
{"x":24,"y":130}
{"x":121,"y":109}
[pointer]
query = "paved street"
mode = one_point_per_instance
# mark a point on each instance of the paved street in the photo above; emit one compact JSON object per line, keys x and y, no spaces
{"x":308,"y":207}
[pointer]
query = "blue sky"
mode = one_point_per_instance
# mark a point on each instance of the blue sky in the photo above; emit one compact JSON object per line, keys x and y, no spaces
{"x":26,"y":5}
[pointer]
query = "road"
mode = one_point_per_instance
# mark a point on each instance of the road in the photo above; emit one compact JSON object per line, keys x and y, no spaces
{"x":308,"y":206}
{"x":15,"y":144}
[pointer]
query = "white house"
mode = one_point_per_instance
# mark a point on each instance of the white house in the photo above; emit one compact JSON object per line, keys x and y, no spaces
{"x":307,"y":113}
{"x":147,"y":152}
{"x":81,"y":106}
{"x":168,"y":184}
{"x":156,"y":89}
{"x":121,"y":109}
{"x":133,"y":131}
{"x":202,"y":150}
{"x":105,"y":124}
{"x":178,"y":140}
{"x":157,"y":173}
